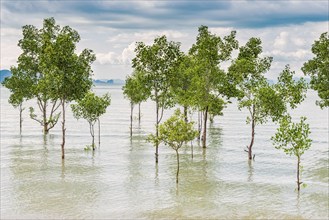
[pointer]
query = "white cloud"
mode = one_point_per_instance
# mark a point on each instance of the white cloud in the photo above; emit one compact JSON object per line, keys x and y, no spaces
{"x":106,"y":58}
{"x":127,"y":54}
{"x":281,"y":40}
{"x":146,"y":36}
{"x":123,"y":58}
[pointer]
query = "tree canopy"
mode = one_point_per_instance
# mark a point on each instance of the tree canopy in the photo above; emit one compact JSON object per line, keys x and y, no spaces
{"x":317,"y":69}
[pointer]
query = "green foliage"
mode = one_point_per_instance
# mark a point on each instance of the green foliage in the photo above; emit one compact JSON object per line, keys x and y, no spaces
{"x":91,"y":107}
{"x":291,"y":137}
{"x":135,"y":89}
{"x":175,"y":131}
{"x":262,"y":100}
{"x":70,"y":73}
{"x":158,"y":63}
{"x":18,"y":84}
{"x":182,"y":83}
{"x":216,"y":106}
{"x":292,"y":92}
{"x":317,"y":69}
{"x":207,"y":54}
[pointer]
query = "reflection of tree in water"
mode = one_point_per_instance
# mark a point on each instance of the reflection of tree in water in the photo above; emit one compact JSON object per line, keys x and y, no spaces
{"x":46,"y":187}
{"x":215,"y":136}
{"x":250,"y":171}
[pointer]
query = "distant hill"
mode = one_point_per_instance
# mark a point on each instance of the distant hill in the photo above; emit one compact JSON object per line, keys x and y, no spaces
{"x":4,"y":74}
{"x":109,"y":81}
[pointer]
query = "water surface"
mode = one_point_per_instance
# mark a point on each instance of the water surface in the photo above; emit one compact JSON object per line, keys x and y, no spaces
{"x":121,"y":180}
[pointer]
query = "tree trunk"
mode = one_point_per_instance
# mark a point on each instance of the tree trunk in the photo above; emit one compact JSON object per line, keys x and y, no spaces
{"x":139,"y":112}
{"x":20,"y":118}
{"x":185,"y":114}
{"x":199,"y":124}
{"x":298,"y":175}
{"x":131,"y":118}
{"x":157,"y":133}
{"x":45,"y":121}
{"x":99,"y":132}
{"x":92,"y":132}
{"x":205,"y":128}
{"x":252,"y":138}
{"x":177,"y":173}
{"x":63,"y":129}
{"x":199,"y":130}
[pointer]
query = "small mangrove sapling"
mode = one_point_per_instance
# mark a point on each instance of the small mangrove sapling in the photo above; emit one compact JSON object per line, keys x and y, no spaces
{"x":293,"y":139}
{"x":91,"y":107}
{"x":174,"y":133}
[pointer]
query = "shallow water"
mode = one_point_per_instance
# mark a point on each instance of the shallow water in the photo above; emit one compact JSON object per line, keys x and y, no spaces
{"x":121,"y":180}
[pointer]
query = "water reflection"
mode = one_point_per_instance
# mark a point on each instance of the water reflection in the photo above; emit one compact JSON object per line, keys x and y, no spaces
{"x":250,"y":170}
{"x":37,"y":190}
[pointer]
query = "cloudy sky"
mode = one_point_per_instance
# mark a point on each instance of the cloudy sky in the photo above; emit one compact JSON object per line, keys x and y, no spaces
{"x":110,"y":28}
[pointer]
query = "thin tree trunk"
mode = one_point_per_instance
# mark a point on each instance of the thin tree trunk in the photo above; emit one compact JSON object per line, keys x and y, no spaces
{"x":139,"y":112}
{"x":63,"y":129}
{"x":131,"y":118}
{"x":298,"y":175}
{"x":204,"y":136}
{"x":252,"y":138}
{"x":45,"y":121}
{"x":200,"y":115}
{"x":185,"y":114}
{"x":177,"y":173}
{"x":20,"y":118}
{"x":92,"y":132}
{"x":157,"y":133}
{"x":199,"y":130}
{"x":99,"y":132}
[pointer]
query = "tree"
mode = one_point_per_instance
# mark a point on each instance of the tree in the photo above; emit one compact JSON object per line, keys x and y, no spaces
{"x":247,"y":71}
{"x":174,"y":133}
{"x":68,"y":72}
{"x":158,"y":63}
{"x":18,"y":85}
{"x":293,"y":139}
{"x":262,"y":100}
{"x":317,"y":69}
{"x":34,"y":64}
{"x":91,"y":107}
{"x":136,"y":91}
{"x":207,"y":53}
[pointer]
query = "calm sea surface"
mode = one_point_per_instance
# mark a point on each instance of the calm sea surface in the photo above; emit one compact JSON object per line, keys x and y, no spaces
{"x":121,"y":180}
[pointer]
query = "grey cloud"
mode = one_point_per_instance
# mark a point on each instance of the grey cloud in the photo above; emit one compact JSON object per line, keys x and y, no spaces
{"x":177,"y":14}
